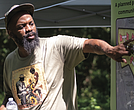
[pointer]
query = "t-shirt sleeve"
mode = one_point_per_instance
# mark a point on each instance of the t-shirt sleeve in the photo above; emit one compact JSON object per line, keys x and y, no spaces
{"x":72,"y":50}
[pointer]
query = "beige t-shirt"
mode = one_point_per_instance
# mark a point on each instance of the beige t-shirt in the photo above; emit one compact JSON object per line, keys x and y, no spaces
{"x":55,"y":80}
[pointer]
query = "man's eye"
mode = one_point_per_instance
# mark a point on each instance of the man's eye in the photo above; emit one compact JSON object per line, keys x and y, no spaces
{"x":20,"y":27}
{"x":31,"y":24}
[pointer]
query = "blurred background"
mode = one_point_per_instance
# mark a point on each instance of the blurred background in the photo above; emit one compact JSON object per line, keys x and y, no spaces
{"x":93,"y":74}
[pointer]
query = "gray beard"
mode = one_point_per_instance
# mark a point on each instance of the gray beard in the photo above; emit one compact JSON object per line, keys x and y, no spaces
{"x":29,"y":45}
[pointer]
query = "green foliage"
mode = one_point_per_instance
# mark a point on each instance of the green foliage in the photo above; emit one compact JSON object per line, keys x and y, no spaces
{"x":1,"y":97}
{"x":6,"y":46}
{"x":93,"y":74}
{"x":93,"y":77}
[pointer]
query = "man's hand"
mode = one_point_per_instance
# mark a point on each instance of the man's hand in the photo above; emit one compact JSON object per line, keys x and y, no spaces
{"x":2,"y":107}
{"x":119,"y":51}
{"x":4,"y":102}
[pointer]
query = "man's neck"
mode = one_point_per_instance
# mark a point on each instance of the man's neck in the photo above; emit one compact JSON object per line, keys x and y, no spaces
{"x":22,"y":52}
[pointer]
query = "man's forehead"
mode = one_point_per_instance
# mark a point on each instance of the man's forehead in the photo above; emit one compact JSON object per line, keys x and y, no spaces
{"x":18,"y":15}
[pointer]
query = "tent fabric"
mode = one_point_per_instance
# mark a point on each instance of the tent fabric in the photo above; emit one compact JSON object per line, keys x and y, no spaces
{"x":64,"y":13}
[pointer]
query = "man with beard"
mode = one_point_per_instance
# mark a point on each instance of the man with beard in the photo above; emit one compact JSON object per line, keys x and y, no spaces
{"x":58,"y":55}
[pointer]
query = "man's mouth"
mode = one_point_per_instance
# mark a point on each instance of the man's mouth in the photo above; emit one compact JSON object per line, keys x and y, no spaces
{"x":30,"y":37}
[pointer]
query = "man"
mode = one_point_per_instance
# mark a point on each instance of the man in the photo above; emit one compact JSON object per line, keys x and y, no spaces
{"x":57,"y":55}
{"x":21,"y":89}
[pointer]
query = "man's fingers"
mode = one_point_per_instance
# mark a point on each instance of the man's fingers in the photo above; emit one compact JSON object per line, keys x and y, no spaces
{"x":124,"y":53}
{"x":128,"y":41}
{"x":121,"y":60}
{"x":124,"y":60}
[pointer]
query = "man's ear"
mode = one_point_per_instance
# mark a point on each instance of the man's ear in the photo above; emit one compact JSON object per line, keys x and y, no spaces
{"x":10,"y":33}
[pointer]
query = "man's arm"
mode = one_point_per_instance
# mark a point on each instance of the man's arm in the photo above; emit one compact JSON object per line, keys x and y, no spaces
{"x":3,"y":106}
{"x":101,"y":47}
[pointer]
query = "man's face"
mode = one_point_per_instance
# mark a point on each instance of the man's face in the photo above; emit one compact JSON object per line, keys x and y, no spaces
{"x":22,"y":79}
{"x":23,"y":31}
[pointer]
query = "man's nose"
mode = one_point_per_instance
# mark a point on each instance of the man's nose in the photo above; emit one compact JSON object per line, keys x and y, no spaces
{"x":28,"y":28}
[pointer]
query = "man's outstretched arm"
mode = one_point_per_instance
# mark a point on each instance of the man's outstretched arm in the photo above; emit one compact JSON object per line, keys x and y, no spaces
{"x":101,"y":47}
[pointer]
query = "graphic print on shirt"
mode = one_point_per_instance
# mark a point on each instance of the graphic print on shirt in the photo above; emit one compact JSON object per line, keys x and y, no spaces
{"x":29,"y":86}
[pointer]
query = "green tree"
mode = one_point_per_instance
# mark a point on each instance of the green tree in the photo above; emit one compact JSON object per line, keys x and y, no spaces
{"x":6,"y":46}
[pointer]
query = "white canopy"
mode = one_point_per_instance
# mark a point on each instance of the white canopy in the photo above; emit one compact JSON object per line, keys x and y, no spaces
{"x":64,"y":13}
